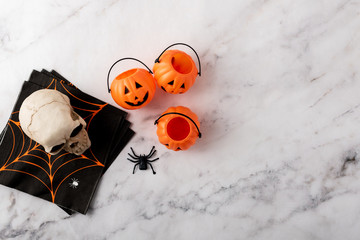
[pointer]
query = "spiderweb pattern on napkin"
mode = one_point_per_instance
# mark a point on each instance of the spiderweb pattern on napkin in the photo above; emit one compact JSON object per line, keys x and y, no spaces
{"x":65,"y":179}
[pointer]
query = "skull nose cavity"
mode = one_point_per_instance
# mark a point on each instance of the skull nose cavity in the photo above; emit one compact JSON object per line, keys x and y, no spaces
{"x":75,"y":144}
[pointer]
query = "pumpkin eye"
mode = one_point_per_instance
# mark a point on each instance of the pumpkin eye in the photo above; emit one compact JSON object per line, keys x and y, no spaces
{"x":171,"y":83}
{"x":138,"y":85}
{"x":183,"y":85}
{"x":126,"y":90}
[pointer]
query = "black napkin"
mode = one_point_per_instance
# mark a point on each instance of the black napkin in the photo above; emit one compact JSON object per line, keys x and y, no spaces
{"x":65,"y":179}
{"x":123,"y":134}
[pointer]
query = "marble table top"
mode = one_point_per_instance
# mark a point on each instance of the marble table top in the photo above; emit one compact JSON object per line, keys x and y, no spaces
{"x":278,"y":103}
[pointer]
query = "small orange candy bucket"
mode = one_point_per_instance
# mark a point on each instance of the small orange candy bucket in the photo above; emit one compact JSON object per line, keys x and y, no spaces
{"x":175,"y":71}
{"x":178,"y":128}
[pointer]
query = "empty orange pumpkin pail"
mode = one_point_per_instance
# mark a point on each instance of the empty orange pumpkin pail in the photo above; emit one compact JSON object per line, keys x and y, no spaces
{"x":178,"y":128}
{"x":175,"y":71}
{"x":134,"y":88}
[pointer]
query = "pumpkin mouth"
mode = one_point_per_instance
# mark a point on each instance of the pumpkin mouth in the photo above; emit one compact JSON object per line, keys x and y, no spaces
{"x":178,"y":128}
{"x":139,"y":103}
{"x":181,"y":63}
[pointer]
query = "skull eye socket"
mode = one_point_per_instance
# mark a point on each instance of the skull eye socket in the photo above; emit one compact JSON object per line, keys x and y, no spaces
{"x":76,"y":131}
{"x":137,"y":85}
{"x":57,"y":148}
{"x":126,"y":90}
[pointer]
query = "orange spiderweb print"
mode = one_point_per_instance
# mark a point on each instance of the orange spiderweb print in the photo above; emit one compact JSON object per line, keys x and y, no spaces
{"x":26,"y":157}
{"x":31,"y":153}
{"x":24,"y":165}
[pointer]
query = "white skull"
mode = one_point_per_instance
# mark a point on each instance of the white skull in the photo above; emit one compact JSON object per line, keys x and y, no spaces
{"x":47,"y":117}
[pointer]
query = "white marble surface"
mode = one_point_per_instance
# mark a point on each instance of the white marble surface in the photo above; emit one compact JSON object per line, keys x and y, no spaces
{"x":278,"y":102}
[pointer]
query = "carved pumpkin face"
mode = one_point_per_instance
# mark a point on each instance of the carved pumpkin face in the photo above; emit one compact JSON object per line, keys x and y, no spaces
{"x":133,"y":89}
{"x":175,"y":72}
{"x":178,"y":128}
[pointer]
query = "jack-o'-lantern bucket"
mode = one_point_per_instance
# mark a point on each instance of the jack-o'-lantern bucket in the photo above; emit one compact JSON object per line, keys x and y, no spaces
{"x":178,"y":128}
{"x":134,"y":88}
{"x":175,"y":71}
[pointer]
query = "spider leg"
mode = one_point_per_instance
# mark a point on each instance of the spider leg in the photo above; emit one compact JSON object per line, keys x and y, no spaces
{"x":152,"y":149}
{"x":135,"y":167}
{"x":152,"y":152}
{"x":132,"y":160}
{"x":153,"y":160}
{"x":133,"y":152}
{"x":149,"y":156}
{"x":152,"y":168}
{"x":132,"y":156}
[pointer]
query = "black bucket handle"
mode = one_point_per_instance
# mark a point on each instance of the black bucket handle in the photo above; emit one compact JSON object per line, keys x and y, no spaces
{"x":158,"y":59}
{"x":127,"y":58}
{"x":157,"y":120}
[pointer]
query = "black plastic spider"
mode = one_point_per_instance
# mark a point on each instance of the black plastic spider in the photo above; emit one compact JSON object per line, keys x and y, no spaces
{"x":143,"y":160}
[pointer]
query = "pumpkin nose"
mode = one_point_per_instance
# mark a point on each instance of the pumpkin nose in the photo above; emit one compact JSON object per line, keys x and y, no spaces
{"x":136,"y":98}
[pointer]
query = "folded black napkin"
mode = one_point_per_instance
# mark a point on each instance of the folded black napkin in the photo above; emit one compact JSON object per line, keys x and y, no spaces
{"x":65,"y":179}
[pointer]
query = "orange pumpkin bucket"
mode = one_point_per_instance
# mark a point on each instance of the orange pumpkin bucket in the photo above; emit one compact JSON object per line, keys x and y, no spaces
{"x":134,"y":88}
{"x":175,"y":71}
{"x":178,"y":128}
